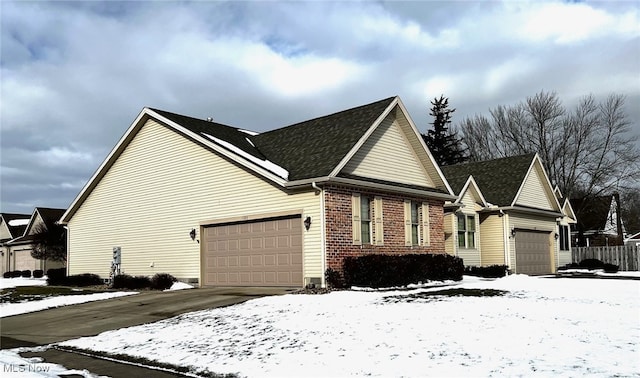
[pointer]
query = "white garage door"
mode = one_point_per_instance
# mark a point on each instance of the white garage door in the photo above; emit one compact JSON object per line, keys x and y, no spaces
{"x":267,"y":252}
{"x":532,"y":253}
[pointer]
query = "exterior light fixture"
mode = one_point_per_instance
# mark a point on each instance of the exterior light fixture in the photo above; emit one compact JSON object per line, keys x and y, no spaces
{"x":307,"y":223}
{"x":513,"y":232}
{"x":192,"y":234}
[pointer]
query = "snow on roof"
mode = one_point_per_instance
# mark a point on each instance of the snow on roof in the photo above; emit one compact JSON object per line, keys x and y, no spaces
{"x":252,"y":133}
{"x":266,"y":164}
{"x":18,"y":222}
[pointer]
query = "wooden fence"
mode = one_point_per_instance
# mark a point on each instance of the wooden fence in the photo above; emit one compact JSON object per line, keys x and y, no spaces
{"x":627,"y":257}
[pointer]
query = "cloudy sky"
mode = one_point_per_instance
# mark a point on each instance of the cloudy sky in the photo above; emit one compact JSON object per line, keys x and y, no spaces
{"x":74,"y":75}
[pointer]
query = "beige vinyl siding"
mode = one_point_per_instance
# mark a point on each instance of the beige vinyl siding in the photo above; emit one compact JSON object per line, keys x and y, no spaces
{"x":386,"y":155}
{"x":161,"y":187}
{"x":415,"y":143}
{"x":4,"y":231}
{"x":470,"y":200}
{"x":492,"y":242}
{"x":536,"y":223}
{"x":534,"y":193}
{"x":449,"y":234}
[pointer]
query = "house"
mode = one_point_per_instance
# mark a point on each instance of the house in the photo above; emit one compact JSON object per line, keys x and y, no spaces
{"x":598,"y":221}
{"x":633,"y":240}
{"x":220,"y":205}
{"x":20,"y":247}
{"x":505,"y":213}
{"x":11,"y":226}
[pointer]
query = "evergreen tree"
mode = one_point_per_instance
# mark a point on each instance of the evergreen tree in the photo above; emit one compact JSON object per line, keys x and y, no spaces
{"x":444,"y":144}
{"x":49,"y":243}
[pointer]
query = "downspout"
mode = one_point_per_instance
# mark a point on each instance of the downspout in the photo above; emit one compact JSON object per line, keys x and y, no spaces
{"x":323,"y":246}
{"x":66,"y":263}
{"x":505,"y":236}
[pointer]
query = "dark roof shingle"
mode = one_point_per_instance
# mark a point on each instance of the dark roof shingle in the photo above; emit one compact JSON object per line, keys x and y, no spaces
{"x":498,"y":179}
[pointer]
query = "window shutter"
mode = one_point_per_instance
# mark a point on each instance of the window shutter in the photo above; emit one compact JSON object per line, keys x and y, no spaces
{"x":426,"y":236}
{"x":355,"y":211}
{"x":377,"y":219}
{"x":407,"y":223}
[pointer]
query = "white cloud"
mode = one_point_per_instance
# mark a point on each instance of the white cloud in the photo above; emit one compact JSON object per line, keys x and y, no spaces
{"x":62,"y":157}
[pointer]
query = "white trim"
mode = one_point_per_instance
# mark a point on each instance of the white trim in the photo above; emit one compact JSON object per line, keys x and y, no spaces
{"x":471,"y":181}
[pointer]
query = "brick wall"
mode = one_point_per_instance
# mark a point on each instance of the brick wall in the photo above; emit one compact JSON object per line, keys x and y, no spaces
{"x":339,"y":234}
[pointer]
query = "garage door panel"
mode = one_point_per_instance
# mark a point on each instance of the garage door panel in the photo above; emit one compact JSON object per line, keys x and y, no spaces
{"x":532,"y":253}
{"x":269,"y":253}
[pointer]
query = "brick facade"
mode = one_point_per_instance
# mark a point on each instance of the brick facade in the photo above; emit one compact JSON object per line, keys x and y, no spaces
{"x":339,"y":227}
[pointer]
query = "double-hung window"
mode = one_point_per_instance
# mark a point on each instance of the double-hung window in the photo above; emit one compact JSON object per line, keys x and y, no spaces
{"x":416,"y":223}
{"x":367,"y":220}
{"x":466,"y":231}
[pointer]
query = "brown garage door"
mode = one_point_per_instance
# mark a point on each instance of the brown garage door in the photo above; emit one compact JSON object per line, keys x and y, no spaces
{"x":267,"y":252}
{"x":532,"y":253}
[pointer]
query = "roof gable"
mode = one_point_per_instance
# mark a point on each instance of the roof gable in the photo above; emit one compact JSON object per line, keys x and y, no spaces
{"x":567,"y":210}
{"x":386,"y":154}
{"x":536,"y":190}
{"x":314,"y":148}
{"x":45,"y":216}
{"x":13,"y":225}
{"x":471,"y":193}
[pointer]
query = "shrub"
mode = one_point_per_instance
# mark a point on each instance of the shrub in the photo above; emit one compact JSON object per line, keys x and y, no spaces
{"x":56,"y":276}
{"x":399,"y":270}
{"x":16,"y":274}
{"x":125,"y":281}
{"x":26,"y":273}
{"x":85,"y":279}
{"x":162,"y":281}
{"x":591,"y":264}
{"x":38,"y":273}
{"x":6,"y":275}
{"x":610,"y":268}
{"x":333,"y":278}
{"x":492,"y":271}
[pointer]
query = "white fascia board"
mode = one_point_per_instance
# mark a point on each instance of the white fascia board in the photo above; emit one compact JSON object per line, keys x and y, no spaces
{"x":32,"y":220}
{"x":364,"y":138}
{"x":106,"y":163}
{"x":391,"y":188}
{"x":424,"y":145}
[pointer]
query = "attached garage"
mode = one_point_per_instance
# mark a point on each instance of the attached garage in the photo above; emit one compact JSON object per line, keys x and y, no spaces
{"x":533,"y":255}
{"x":264,"y":252}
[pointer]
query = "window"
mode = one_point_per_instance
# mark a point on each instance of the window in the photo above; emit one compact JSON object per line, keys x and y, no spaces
{"x":415,"y":238}
{"x":466,"y":231}
{"x":564,"y":238}
{"x":365,"y":219}
{"x":416,"y":223}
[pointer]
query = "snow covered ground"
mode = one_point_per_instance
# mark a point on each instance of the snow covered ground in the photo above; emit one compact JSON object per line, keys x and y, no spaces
{"x":6,"y":283}
{"x":540,"y":327}
{"x":13,"y":365}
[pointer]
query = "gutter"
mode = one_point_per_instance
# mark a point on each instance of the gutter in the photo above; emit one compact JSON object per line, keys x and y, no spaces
{"x":366,"y":184}
{"x":519,"y":209}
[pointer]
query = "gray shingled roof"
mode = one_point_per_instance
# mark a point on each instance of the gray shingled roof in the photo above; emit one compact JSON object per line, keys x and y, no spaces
{"x":307,"y":149}
{"x":499,"y":180}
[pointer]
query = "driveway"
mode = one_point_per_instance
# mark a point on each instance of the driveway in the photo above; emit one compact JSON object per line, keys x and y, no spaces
{"x":88,"y":319}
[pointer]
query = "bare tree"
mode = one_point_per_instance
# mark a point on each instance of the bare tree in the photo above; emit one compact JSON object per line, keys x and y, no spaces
{"x":49,"y":243}
{"x":587,"y":151}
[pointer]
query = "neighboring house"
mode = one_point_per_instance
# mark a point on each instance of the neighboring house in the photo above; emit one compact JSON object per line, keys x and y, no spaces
{"x":21,"y":246}
{"x":224,"y":206}
{"x":598,"y":221}
{"x":11,"y":226}
{"x":506,"y":213}
{"x":633,"y":240}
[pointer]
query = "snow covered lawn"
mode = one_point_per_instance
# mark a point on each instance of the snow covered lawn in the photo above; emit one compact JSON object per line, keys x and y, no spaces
{"x":540,"y":327}
{"x":31,"y":305}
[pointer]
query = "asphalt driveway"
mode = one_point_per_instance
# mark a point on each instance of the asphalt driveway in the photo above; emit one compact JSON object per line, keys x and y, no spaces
{"x":88,"y":319}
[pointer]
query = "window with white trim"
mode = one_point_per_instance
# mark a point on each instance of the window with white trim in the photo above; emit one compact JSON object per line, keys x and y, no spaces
{"x":466,"y":231}
{"x":416,"y":221}
{"x":367,"y":220}
{"x":564,"y":237}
